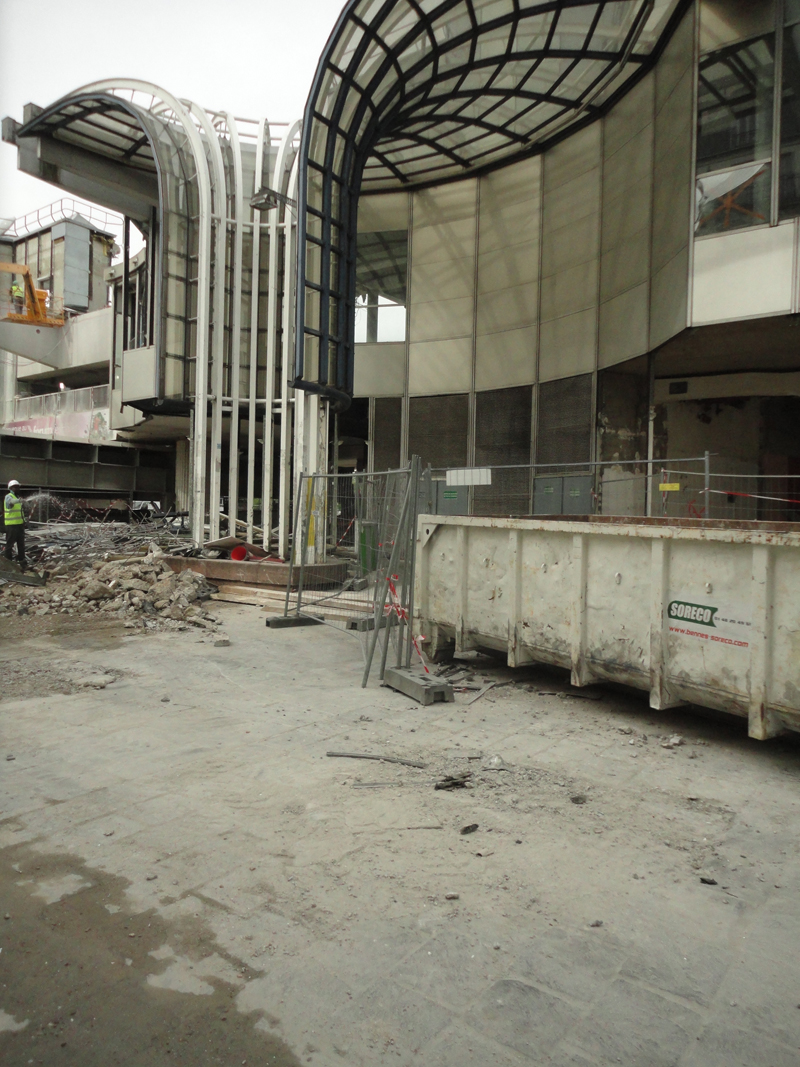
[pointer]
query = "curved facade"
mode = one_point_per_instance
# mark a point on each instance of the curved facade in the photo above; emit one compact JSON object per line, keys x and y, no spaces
{"x":201,"y":336}
{"x":555,"y":233}
{"x":408,"y":95}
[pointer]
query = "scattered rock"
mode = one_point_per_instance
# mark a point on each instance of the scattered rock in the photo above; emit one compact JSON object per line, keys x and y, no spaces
{"x":473,"y":826}
{"x":597,"y":922}
{"x":709,"y":881}
{"x":673,"y":742}
{"x":221,"y":642}
{"x":11,"y":757}
{"x":495,"y":763}
{"x":579,"y":798}
{"x":451,"y":896}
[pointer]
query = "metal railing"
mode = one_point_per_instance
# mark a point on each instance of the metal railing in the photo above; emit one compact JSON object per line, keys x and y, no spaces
{"x":66,"y":401}
{"x":44,"y":217}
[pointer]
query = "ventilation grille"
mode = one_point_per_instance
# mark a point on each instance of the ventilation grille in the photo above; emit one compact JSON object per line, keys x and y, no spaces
{"x":503,"y":437}
{"x":565,"y":421}
{"x":386,"y":433}
{"x":437,"y":430}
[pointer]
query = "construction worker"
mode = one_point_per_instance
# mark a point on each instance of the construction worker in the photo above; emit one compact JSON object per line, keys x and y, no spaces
{"x":18,"y":297}
{"x":15,"y":524}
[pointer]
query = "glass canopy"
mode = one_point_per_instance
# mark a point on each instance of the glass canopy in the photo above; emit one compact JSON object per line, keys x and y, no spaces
{"x":411,"y":93}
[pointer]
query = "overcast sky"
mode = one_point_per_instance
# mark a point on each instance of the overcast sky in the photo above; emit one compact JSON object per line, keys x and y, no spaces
{"x":252,"y":57}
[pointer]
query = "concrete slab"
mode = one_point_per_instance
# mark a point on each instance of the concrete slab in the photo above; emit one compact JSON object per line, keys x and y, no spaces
{"x":215,"y":825}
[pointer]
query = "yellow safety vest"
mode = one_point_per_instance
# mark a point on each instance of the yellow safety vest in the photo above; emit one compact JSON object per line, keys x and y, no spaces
{"x":12,"y":510}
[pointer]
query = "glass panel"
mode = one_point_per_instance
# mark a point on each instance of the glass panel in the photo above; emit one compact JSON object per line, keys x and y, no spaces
{"x":382,"y":264}
{"x":791,"y":11}
{"x":735,"y":104}
{"x":789,"y":196}
{"x":724,"y":22}
{"x":732,"y":199}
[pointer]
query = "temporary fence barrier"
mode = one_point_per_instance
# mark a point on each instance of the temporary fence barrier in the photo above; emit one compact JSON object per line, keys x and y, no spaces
{"x":692,"y":488}
{"x":352,"y":558}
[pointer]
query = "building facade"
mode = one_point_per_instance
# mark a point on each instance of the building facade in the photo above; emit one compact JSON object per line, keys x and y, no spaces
{"x":547,"y":235}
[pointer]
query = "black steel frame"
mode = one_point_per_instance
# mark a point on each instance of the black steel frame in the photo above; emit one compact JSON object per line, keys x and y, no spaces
{"x":367,"y":141}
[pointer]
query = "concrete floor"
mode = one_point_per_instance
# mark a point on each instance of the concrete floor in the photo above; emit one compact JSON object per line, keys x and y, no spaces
{"x":233,"y":895}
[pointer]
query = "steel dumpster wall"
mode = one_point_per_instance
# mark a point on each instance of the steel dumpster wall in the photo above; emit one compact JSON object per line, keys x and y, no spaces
{"x":692,"y":614}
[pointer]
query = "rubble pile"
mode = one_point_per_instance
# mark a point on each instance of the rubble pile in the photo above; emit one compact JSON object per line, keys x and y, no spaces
{"x":145,"y":591}
{"x":51,"y":544}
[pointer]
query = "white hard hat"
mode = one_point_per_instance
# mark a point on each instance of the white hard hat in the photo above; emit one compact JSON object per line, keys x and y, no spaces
{"x":12,"y":483}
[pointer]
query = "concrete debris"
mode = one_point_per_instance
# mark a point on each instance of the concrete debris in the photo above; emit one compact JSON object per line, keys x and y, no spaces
{"x":455,"y":781}
{"x":144,"y":591}
{"x":495,"y":763}
{"x":673,"y":742}
{"x":222,"y":642}
{"x":451,"y":896}
{"x":473,"y":826}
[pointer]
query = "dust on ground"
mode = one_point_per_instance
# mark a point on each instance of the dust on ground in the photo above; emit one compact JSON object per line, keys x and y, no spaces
{"x":84,"y":979}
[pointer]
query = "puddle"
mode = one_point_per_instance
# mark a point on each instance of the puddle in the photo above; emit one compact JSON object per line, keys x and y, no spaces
{"x":86,"y":983}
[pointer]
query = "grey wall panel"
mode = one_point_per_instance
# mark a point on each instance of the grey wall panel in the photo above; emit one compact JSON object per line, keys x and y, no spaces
{"x":624,"y":325}
{"x":570,"y":255}
{"x":672,"y":184}
{"x":567,"y":345}
{"x":507,"y":358}
{"x":440,"y":366}
{"x":389,"y":212}
{"x":380,"y":369}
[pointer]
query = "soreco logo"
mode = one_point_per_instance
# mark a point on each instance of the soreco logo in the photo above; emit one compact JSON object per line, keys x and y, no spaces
{"x":680,"y":609}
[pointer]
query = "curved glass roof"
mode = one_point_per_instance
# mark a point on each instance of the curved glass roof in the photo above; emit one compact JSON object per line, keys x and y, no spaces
{"x":439,"y":89}
{"x":410,"y":93}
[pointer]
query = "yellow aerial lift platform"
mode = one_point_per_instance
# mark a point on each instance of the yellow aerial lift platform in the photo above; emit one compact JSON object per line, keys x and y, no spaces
{"x":36,"y":311}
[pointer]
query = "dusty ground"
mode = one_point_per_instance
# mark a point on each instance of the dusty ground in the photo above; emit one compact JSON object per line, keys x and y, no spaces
{"x":193,"y":880}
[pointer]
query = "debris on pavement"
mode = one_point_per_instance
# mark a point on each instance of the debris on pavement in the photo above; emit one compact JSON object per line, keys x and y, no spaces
{"x":473,"y":826}
{"x":495,"y":763}
{"x":384,"y":759}
{"x":708,"y":881}
{"x":454,"y":781}
{"x":673,"y":742}
{"x":144,"y":590}
{"x":579,"y":798}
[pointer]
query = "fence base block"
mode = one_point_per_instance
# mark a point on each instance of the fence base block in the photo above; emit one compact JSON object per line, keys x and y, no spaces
{"x":421,"y":687}
{"x":280,"y":622}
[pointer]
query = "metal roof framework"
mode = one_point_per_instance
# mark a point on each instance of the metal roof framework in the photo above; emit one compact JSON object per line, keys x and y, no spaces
{"x":413,"y":93}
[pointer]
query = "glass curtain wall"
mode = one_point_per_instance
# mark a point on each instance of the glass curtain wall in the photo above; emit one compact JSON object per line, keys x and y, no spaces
{"x":748,"y":121}
{"x":410,"y":95}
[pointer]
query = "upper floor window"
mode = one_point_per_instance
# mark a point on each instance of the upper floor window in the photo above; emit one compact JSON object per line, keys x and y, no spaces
{"x":748,"y":121}
{"x":381,"y":270}
{"x":736,"y":120}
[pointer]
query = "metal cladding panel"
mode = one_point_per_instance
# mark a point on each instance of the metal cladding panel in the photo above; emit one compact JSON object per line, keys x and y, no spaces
{"x":565,"y":421}
{"x":503,"y":438}
{"x":744,"y":274}
{"x":387,"y":433}
{"x":380,"y":369}
{"x":673,"y":192}
{"x":437,"y":430}
{"x":705,"y":614}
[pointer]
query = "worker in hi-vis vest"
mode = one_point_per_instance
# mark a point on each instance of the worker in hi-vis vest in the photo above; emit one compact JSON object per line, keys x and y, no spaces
{"x":15,"y":523}
{"x":18,"y":296}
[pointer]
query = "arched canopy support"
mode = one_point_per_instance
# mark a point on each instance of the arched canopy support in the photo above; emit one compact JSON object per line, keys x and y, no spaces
{"x":410,"y":93}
